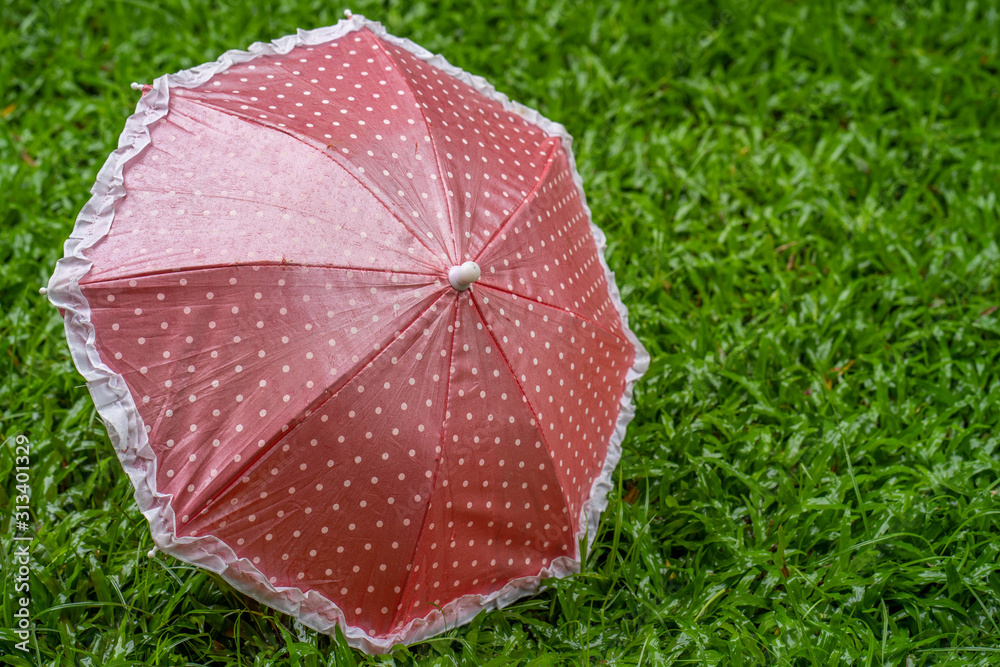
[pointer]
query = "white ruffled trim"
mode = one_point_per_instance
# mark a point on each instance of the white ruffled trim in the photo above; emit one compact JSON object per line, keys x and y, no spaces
{"x":128,"y":434}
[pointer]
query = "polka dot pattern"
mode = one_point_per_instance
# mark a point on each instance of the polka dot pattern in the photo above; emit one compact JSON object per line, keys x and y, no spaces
{"x":498,"y":511}
{"x":274,"y":291}
{"x":263,"y":199}
{"x":348,"y":101}
{"x":349,"y":482}
{"x":546,"y":252}
{"x":218,"y":373}
{"x":571,"y":374}
{"x":489,"y":157}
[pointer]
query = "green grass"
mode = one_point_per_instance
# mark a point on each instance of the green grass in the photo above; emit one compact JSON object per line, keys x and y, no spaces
{"x":801,"y":205}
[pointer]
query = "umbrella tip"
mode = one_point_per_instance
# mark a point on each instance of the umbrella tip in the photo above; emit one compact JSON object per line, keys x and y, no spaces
{"x":151,"y":553}
{"x":135,"y":86}
{"x":348,"y":13}
{"x":43,"y":290}
{"x":462,"y":276}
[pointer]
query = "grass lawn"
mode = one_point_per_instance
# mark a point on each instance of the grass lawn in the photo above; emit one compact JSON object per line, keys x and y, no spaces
{"x":801,"y":205}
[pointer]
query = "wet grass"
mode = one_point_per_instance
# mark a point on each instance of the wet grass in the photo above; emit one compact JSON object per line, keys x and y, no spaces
{"x":802,"y":212}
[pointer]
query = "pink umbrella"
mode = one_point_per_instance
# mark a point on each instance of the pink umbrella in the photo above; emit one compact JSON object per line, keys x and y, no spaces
{"x":345,"y":314}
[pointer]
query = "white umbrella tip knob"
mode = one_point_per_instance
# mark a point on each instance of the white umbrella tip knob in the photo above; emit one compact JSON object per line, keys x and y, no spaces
{"x":151,"y":553}
{"x":462,"y":276}
{"x":348,"y":13}
{"x":43,"y":290}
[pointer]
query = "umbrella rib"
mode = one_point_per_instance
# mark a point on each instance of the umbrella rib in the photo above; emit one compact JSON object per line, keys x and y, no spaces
{"x":210,"y":267}
{"x":333,"y":158}
{"x":316,"y":405}
{"x":549,"y":305}
{"x":437,"y":469}
{"x":437,"y":158}
{"x":254,"y":201}
{"x":292,"y":74}
{"x":524,"y":397}
{"x":524,"y":202}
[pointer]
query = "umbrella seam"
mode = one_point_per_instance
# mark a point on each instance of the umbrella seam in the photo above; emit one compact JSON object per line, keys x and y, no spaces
{"x":532,"y":412}
{"x":243,"y":199}
{"x":317,"y":405}
{"x":212,"y":267}
{"x":291,"y":74}
{"x":563,"y":310}
{"x":332,"y":157}
{"x":549,"y":159}
{"x":437,"y":157}
{"x":437,"y":469}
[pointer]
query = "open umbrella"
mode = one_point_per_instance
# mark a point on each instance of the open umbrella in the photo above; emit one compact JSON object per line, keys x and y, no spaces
{"x":347,"y":319}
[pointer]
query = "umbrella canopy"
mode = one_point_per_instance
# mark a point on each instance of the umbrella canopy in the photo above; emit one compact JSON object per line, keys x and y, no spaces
{"x":345,"y":313}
